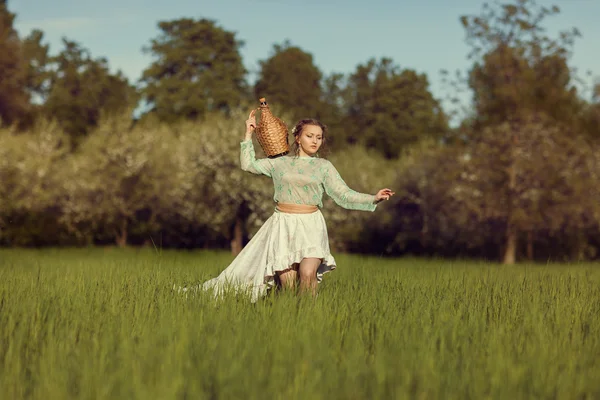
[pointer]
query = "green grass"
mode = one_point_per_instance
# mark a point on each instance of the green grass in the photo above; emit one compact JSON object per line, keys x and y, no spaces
{"x":105,"y":324}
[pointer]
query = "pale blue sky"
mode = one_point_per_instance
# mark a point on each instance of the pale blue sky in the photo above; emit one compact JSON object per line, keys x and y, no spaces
{"x":425,"y":35}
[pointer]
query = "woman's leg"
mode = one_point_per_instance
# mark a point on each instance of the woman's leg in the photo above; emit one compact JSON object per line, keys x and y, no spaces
{"x":288,"y":277}
{"x":308,"y":275}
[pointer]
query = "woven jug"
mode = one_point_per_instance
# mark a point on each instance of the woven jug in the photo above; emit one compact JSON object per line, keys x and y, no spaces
{"x":271,"y":132}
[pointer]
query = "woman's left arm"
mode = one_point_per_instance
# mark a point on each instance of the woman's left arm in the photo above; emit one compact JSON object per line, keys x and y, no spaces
{"x":345,"y":197}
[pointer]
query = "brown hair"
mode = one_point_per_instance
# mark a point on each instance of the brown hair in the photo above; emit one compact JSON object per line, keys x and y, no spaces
{"x":297,"y":131}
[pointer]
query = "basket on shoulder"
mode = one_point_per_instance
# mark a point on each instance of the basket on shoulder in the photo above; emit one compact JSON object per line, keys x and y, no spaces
{"x":271,"y":132}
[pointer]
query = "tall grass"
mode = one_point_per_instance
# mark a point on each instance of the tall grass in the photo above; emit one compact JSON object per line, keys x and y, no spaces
{"x":105,"y":324}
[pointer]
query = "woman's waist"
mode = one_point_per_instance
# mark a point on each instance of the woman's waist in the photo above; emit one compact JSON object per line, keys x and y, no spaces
{"x":291,"y":208}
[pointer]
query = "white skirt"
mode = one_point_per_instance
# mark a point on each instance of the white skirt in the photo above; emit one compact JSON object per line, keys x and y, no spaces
{"x":283,"y":240}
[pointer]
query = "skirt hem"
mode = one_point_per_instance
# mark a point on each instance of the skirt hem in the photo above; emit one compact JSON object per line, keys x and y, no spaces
{"x":285,"y":262}
{"x":283,"y":240}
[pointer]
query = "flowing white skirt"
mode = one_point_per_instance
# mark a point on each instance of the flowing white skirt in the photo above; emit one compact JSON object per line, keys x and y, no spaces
{"x":283,"y":240}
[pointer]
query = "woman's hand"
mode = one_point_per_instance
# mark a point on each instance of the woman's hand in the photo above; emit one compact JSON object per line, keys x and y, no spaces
{"x":250,"y":124}
{"x":383,"y":194}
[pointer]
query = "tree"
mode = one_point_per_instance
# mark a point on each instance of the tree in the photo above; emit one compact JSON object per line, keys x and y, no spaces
{"x":234,"y":203}
{"x":37,"y":75}
{"x":197,"y":69}
{"x":332,"y":109}
{"x":14,"y":100}
{"x":37,"y":58}
{"x":509,"y":42}
{"x":82,"y":90}
{"x":29,"y":166}
{"x":508,"y":85}
{"x":389,"y":109}
{"x":427,"y":218}
{"x":517,"y":69}
{"x":118,"y":181}
{"x":457,"y":200}
{"x":553,"y":188}
{"x":290,"y":80}
{"x":591,"y":114}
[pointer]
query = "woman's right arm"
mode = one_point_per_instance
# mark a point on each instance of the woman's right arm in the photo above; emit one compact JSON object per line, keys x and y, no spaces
{"x":248,"y":159}
{"x":249,"y":162}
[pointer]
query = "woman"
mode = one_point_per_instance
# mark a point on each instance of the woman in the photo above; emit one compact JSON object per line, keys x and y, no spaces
{"x":293,"y":243}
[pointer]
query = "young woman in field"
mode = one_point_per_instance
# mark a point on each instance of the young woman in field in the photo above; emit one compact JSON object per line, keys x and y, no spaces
{"x":293,"y":244}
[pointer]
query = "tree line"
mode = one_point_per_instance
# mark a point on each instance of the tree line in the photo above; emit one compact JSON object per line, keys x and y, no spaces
{"x":515,"y":179}
{"x":198,"y":70}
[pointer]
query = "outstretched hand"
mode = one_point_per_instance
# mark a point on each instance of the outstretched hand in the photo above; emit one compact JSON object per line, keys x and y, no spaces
{"x":383,"y":194}
{"x":250,"y":123}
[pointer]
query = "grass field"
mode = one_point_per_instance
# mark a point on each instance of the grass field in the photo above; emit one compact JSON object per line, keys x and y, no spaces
{"x":105,"y":324}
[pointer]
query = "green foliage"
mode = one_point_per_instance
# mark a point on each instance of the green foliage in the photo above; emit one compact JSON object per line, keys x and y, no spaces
{"x":591,"y":114}
{"x":518,"y":69}
{"x":427,"y":219}
{"x":29,"y":164}
{"x":119,"y":180}
{"x":290,"y":80}
{"x":591,"y":120}
{"x":220,"y":189}
{"x":197,"y":69}
{"x":519,"y":74}
{"x":82,"y":90}
{"x":333,"y":108}
{"x":105,"y":324}
{"x":38,"y":60}
{"x":70,"y":87}
{"x":518,"y":25}
{"x":389,"y":108}
{"x":508,"y":86}
{"x":534,"y":177}
{"x":515,"y":172}
{"x":182,"y":183}
{"x":13,"y":97}
{"x":125,"y":181}
{"x":553,"y":186}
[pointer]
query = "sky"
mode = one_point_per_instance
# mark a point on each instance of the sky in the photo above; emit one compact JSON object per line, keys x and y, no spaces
{"x":424,"y":35}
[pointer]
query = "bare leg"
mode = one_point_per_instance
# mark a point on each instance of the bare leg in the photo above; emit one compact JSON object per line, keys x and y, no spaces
{"x":289,"y":277}
{"x":308,"y":275}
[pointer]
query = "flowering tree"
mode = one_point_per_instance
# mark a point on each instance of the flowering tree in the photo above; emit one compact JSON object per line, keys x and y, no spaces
{"x":233,"y":202}
{"x":28,"y":180}
{"x":119,"y":178}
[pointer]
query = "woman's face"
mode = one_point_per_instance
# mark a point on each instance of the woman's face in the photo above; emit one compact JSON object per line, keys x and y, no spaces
{"x":310,"y":140}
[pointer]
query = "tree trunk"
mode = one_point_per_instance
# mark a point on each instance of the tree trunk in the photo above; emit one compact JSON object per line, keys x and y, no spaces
{"x":237,"y":241}
{"x":511,"y":230}
{"x":238,"y":234}
{"x":530,"y":245}
{"x":511,"y":245}
{"x":121,"y":234}
{"x":424,"y":231}
{"x":578,"y":252}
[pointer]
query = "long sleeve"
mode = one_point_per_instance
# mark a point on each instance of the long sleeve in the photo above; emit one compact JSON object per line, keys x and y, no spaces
{"x":249,"y":162}
{"x":345,"y":197}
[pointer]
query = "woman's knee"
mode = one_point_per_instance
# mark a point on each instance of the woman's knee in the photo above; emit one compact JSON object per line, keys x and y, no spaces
{"x":289,"y":273}
{"x":306,"y":274}
{"x":287,"y":278}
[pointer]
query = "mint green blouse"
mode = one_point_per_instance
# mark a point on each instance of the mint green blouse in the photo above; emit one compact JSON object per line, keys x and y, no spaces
{"x":302,"y":180}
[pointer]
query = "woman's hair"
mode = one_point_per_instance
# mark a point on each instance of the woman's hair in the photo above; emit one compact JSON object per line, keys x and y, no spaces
{"x":297,"y":131}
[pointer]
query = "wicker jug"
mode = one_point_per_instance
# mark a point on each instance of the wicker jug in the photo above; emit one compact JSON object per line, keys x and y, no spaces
{"x":271,"y":132}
